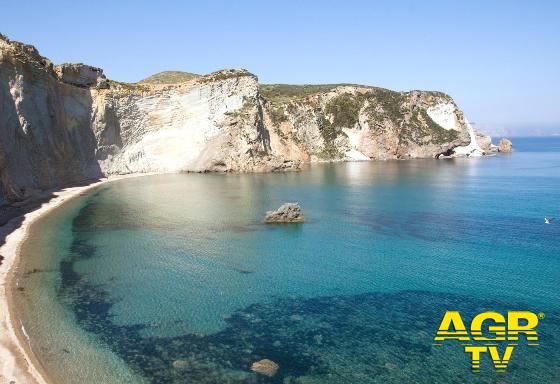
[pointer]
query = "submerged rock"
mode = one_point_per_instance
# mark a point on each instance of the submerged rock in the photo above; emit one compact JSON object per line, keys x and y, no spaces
{"x":505,"y":145}
{"x":180,"y":364}
{"x":265,"y":367}
{"x":287,"y":213}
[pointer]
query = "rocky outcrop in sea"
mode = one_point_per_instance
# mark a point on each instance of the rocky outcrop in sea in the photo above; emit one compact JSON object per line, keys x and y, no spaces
{"x":505,"y":145}
{"x":287,"y":213}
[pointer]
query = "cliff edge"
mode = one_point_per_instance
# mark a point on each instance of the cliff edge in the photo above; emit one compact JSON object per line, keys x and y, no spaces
{"x":64,"y":124}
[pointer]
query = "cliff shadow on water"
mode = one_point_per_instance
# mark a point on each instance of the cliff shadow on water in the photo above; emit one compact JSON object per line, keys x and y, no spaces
{"x":13,"y":215}
{"x":46,"y":139}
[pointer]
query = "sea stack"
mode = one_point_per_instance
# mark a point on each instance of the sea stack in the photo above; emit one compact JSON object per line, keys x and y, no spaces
{"x":287,"y":213}
{"x":504,"y":146}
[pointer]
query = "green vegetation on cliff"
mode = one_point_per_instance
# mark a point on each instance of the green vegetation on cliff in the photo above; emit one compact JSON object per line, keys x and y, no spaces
{"x":387,"y":111}
{"x":386,"y":104}
{"x":169,"y":77}
{"x":283,"y":93}
{"x":225,"y":74}
{"x":176,"y":77}
{"x":421,"y":129}
{"x":439,"y":134}
{"x":345,"y":109}
{"x":278,"y":114}
{"x":127,"y":87}
{"x":329,"y":132}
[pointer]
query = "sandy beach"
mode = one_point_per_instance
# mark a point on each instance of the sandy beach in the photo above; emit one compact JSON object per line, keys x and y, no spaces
{"x":18,"y":364}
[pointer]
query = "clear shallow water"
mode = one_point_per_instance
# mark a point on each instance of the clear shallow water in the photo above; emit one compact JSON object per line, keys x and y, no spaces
{"x":173,"y":279}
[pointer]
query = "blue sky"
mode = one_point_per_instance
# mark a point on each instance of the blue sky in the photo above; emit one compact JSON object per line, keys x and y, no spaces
{"x":500,"y":60}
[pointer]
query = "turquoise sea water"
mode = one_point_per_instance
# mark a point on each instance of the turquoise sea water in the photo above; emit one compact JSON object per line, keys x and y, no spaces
{"x":173,"y":278}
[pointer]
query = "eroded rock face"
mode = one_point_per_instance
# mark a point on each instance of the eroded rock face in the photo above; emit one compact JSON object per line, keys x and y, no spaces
{"x":45,"y":136}
{"x":484,"y":142}
{"x":361,"y":123}
{"x":505,"y":145}
{"x":81,"y":75}
{"x":63,"y":124}
{"x":182,"y":128}
{"x":287,"y":213}
{"x":265,"y":367}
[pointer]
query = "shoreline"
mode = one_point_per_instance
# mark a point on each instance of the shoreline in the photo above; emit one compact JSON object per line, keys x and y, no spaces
{"x":18,"y":363}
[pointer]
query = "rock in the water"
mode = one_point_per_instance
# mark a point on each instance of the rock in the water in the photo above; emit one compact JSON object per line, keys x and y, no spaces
{"x":505,"y":145}
{"x":180,"y":364}
{"x":287,"y":213}
{"x":265,"y":367}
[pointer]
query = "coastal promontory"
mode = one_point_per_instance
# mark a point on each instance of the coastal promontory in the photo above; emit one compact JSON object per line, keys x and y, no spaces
{"x":65,"y":124}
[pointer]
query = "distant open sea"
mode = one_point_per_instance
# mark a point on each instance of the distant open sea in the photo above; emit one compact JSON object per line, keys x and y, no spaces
{"x":173,"y":278}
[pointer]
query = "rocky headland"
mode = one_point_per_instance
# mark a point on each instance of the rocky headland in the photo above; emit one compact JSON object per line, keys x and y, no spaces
{"x":63,"y":124}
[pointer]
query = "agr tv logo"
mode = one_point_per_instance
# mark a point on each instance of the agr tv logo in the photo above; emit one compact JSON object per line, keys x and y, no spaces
{"x":487,"y":330}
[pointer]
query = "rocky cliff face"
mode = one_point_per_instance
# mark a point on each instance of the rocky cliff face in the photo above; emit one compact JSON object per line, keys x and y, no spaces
{"x":349,"y":122}
{"x":63,"y":124}
{"x":45,"y":140}
{"x":173,"y":128}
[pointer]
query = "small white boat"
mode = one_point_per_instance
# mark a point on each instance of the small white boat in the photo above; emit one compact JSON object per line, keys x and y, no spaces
{"x":548,"y":220}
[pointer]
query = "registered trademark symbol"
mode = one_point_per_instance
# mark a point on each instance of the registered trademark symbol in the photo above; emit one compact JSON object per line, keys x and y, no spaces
{"x":541,"y":315}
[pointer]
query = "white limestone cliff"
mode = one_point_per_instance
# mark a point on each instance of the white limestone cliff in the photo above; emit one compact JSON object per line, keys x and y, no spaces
{"x":473,"y":148}
{"x":165,"y":130}
{"x":444,"y":115}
